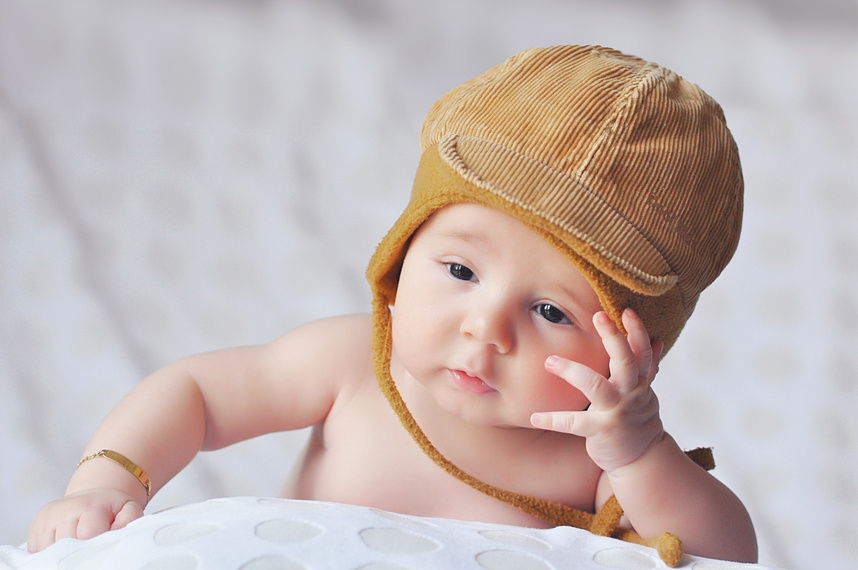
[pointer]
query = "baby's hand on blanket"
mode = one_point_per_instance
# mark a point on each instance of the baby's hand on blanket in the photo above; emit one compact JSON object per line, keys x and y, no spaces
{"x":82,"y":515}
{"x":622,"y":422}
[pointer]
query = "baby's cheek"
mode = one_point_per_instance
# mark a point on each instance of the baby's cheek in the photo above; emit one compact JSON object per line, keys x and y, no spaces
{"x":558,"y":395}
{"x":576,"y":401}
{"x":597,"y":360}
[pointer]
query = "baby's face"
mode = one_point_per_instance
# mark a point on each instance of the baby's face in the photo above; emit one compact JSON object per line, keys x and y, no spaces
{"x":482,"y":302}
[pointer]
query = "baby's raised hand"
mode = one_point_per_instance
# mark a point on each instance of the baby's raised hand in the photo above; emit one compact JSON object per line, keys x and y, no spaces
{"x":82,"y":515}
{"x":622,"y":421}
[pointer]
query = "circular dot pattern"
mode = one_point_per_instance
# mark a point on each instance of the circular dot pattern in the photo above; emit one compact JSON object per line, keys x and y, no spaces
{"x":505,"y":560}
{"x":287,"y":531}
{"x":516,"y":538}
{"x":178,"y":533}
{"x":273,"y":562}
{"x":398,"y":541}
{"x":624,"y":559}
{"x":249,"y":533}
{"x":402,"y":519}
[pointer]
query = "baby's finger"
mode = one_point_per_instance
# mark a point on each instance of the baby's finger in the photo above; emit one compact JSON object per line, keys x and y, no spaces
{"x":574,"y":423}
{"x":66,"y":528}
{"x":657,"y":351}
{"x":129,"y":512}
{"x":638,"y":339}
{"x":595,"y":387}
{"x":41,"y":536}
{"x":92,"y":523}
{"x":625,"y":371}
{"x":37,"y":540}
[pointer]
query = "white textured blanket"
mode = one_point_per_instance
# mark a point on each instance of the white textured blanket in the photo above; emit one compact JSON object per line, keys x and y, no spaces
{"x":258,"y":533}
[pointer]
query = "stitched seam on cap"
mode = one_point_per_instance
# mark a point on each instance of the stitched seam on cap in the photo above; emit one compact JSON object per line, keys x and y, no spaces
{"x":448,"y":150}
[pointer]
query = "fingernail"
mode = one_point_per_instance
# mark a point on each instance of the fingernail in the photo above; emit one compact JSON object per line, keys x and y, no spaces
{"x":551,"y":361}
{"x":536,"y":420}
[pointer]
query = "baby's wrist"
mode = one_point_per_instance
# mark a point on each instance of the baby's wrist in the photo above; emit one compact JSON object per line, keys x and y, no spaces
{"x":657,"y":451}
{"x":103,"y":473}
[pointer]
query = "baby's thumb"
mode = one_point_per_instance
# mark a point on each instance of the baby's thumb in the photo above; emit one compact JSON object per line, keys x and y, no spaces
{"x":130,"y":511}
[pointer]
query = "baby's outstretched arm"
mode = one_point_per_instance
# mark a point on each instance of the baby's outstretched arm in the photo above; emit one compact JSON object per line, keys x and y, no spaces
{"x":658,"y":486}
{"x":207,"y":401}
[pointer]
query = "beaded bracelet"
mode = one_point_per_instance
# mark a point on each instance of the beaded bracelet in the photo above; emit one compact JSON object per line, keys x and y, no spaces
{"x":129,"y":466}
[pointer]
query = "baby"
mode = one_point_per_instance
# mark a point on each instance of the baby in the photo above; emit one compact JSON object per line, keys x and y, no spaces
{"x":570,"y":205}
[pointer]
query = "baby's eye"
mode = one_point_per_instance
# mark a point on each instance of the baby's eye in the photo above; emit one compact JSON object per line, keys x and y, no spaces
{"x":459,"y":271}
{"x":552,"y":314}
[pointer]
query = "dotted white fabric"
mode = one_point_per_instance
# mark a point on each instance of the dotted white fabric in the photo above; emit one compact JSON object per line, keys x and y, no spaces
{"x":265,"y":534}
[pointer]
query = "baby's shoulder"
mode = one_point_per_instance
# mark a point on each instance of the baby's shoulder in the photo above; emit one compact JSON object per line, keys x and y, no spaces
{"x":328,"y":345}
{"x":345,"y":332}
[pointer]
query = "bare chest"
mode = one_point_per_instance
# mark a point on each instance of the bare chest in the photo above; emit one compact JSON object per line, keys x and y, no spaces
{"x":363,"y":455}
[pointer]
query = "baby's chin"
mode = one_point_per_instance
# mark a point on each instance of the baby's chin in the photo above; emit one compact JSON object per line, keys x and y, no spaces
{"x":488,"y":420}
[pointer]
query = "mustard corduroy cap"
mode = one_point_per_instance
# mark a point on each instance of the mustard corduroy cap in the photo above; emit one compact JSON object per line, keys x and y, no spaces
{"x":625,"y":167}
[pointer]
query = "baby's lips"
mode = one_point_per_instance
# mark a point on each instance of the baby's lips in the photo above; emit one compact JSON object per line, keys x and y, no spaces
{"x":470,"y":383}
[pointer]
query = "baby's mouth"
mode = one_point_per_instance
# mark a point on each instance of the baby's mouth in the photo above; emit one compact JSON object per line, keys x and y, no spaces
{"x":469,"y":383}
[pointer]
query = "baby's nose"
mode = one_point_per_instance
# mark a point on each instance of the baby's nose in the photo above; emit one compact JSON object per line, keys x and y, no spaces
{"x":490,"y":323}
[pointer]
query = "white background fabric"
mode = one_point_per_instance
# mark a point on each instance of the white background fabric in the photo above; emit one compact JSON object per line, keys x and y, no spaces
{"x":179,"y":176}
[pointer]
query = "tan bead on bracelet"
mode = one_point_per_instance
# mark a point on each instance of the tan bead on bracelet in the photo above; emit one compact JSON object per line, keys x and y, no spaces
{"x":129,"y":466}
